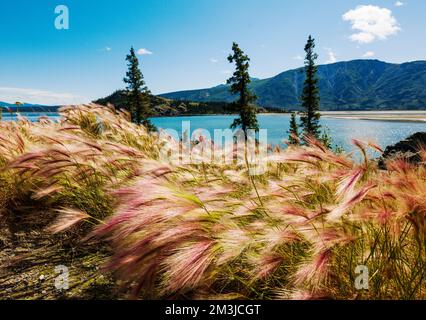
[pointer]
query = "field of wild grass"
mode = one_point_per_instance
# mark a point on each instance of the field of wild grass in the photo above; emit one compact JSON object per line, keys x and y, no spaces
{"x":204,"y":231}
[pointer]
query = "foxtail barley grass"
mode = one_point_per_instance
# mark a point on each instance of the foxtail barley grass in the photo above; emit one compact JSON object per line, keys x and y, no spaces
{"x":211,"y":230}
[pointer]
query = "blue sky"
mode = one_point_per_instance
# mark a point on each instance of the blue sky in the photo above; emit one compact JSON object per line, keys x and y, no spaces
{"x":189,"y":41}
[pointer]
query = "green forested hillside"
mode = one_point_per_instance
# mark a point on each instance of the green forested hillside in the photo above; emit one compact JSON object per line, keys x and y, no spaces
{"x":169,"y":107}
{"x":352,"y":85}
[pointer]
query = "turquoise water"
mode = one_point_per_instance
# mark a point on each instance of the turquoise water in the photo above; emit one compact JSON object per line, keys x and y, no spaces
{"x":342,"y":130}
{"x":32,"y":116}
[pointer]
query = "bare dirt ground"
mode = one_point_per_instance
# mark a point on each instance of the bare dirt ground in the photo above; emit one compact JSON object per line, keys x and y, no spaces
{"x":29,"y":255}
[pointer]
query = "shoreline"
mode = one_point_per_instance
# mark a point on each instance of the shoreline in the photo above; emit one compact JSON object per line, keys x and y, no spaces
{"x":422,"y":120}
{"x":418,"y":116}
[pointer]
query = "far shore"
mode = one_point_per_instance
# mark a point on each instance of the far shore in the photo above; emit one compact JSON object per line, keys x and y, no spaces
{"x":400,"y":116}
{"x":386,"y":115}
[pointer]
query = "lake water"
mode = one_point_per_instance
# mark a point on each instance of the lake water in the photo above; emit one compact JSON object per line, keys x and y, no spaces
{"x":342,"y":130}
{"x":31,"y":116}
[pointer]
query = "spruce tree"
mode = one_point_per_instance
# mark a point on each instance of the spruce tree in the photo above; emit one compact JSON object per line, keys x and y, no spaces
{"x":310,"y":96}
{"x":138,"y":95}
{"x":239,"y":85}
{"x":293,"y":138}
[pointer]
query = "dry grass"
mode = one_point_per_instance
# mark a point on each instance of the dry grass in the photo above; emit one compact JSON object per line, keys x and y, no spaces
{"x":210,"y":230}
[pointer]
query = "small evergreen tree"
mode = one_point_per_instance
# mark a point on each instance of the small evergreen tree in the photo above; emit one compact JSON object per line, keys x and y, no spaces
{"x":138,"y":95}
{"x":239,"y":85}
{"x":326,"y":139}
{"x":310,"y":96}
{"x":293,"y":138}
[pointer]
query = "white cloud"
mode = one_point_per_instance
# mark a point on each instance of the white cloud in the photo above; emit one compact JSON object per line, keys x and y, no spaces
{"x":372,"y":22}
{"x":144,"y":52}
{"x":213,"y":60}
{"x":36,"y":96}
{"x":298,"y":57}
{"x":369,"y":54}
{"x":399,"y":4}
{"x":226,"y":72}
{"x":331,"y":56}
{"x":105,"y":49}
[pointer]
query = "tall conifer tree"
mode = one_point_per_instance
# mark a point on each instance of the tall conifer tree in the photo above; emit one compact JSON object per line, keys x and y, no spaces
{"x":239,"y":85}
{"x":310,"y":96}
{"x":138,"y":95}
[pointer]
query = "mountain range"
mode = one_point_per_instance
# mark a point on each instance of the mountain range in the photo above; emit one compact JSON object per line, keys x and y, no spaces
{"x":350,"y":85}
{"x":27,"y":107}
{"x":8,"y":105}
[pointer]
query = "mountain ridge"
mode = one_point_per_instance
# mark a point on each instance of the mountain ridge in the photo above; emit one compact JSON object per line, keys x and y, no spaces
{"x":27,"y":107}
{"x":347,"y":85}
{"x":24,"y":104}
